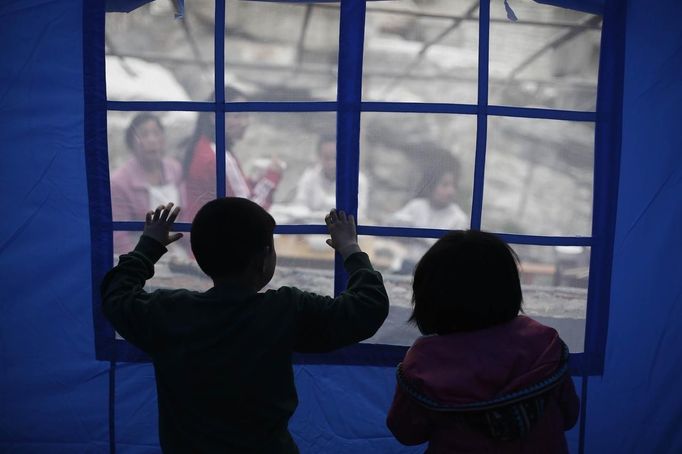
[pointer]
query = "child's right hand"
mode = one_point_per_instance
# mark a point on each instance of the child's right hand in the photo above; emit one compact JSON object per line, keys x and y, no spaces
{"x":344,"y":238}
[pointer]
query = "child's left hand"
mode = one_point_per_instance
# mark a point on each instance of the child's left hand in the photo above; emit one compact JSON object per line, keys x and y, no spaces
{"x":158,"y":224}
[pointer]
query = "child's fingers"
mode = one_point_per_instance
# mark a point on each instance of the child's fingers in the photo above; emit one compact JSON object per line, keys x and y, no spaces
{"x":328,"y":220}
{"x":157,"y":213}
{"x":342,"y":216}
{"x":330,"y":243}
{"x":148,"y":217}
{"x":351,"y":219}
{"x":333,"y":216}
{"x":173,"y":215}
{"x":166,"y":212}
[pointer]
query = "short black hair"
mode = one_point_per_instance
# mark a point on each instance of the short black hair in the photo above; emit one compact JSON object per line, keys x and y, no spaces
{"x":135,"y":124}
{"x":227,"y":233}
{"x":436,"y":163}
{"x":467,"y":280}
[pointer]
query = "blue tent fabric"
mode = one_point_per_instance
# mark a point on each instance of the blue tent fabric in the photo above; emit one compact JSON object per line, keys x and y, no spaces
{"x":638,"y":396}
{"x":55,"y":397}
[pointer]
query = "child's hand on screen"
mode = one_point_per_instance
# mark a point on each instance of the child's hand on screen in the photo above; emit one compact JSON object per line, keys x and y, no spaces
{"x":344,"y":238}
{"x":159,"y":223}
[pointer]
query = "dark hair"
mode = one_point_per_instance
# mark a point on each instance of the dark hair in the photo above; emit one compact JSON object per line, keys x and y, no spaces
{"x":437,"y":162}
{"x":467,"y":280}
{"x":135,"y":124}
{"x":229,"y":232}
{"x":204,"y":127}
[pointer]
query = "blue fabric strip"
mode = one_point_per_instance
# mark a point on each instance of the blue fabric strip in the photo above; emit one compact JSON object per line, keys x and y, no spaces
{"x":481,"y":119}
{"x":404,"y":232}
{"x":112,"y":407}
{"x":330,"y":106}
{"x":373,"y":106}
{"x":161,"y":106}
{"x":583,"y":414}
{"x":532,"y":112}
{"x":606,"y":174}
{"x":219,"y":58}
{"x":197,"y":106}
{"x":97,"y":166}
{"x":349,"y":95}
{"x":99,"y":197}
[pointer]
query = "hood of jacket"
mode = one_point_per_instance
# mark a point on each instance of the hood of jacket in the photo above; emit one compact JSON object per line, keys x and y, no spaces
{"x":474,"y":366}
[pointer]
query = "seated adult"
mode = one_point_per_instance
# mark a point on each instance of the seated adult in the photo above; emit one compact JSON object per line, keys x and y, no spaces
{"x":147,"y":179}
{"x":316,"y":190}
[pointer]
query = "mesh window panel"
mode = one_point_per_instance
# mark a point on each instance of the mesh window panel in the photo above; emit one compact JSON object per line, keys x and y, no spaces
{"x":418,"y":169}
{"x":554,"y":283}
{"x":421,"y":53}
{"x":539,"y":177}
{"x":290,"y":145}
{"x":282,"y":51}
{"x":393,"y":257}
{"x":146,"y":156}
{"x":551,"y":62}
{"x":152,"y":56}
{"x":304,"y":261}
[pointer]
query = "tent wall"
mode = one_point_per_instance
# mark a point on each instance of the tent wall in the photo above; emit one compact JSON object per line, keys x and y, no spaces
{"x":54,"y":397}
{"x":637,"y":406}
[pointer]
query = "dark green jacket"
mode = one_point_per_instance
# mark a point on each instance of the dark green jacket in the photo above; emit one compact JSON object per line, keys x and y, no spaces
{"x":223,"y":358}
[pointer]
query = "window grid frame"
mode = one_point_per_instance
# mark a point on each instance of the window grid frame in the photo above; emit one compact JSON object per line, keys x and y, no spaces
{"x":349,"y":108}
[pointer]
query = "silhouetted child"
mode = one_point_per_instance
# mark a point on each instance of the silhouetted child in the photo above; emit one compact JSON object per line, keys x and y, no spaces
{"x":483,"y":378}
{"x":222,"y":358}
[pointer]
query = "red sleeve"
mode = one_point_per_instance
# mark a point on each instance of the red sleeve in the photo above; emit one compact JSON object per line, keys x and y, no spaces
{"x":407,"y":420}
{"x":200,"y":185}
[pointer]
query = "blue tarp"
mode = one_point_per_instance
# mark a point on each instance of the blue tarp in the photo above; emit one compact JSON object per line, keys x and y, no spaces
{"x":56,"y":397}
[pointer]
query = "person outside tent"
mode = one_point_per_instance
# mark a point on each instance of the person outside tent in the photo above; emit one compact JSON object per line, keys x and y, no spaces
{"x":200,"y":161}
{"x":483,"y":378}
{"x":434,"y":205}
{"x":223,"y":358}
{"x":148,"y":178}
{"x":316,"y":190}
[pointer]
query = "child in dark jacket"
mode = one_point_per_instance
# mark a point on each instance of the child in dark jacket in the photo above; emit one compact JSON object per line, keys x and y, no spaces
{"x":223,"y":358}
{"x":483,"y":378}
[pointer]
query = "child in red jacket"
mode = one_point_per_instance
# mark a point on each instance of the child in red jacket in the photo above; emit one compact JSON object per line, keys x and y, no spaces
{"x":483,"y":378}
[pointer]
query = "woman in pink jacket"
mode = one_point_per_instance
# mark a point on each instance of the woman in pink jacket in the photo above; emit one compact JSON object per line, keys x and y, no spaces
{"x":483,"y":378}
{"x":149,"y":178}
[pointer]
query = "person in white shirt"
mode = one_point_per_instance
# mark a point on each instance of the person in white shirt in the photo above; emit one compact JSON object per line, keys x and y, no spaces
{"x":434,"y":206}
{"x":316,"y":190}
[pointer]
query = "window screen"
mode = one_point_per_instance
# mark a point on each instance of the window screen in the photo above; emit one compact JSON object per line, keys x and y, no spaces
{"x":421,"y":117}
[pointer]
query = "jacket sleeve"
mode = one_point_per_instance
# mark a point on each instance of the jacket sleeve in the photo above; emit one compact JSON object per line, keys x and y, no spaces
{"x":325,"y":323}
{"x":569,"y":404}
{"x":124,"y":302}
{"x":407,"y":420}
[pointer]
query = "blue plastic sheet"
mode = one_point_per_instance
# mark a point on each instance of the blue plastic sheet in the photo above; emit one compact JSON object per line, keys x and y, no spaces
{"x":56,"y":397}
